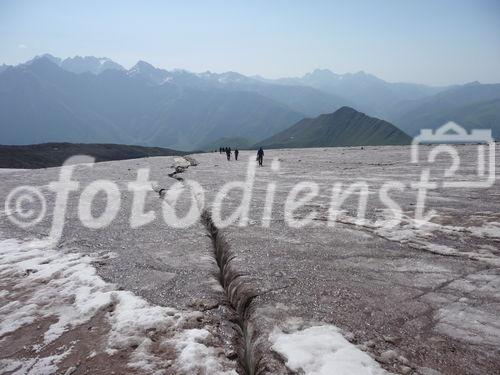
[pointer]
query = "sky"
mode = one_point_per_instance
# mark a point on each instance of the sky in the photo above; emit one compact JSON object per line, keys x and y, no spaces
{"x":437,"y":42}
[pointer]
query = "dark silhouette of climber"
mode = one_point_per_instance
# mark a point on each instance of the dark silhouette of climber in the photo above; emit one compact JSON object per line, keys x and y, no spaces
{"x":260,"y":156}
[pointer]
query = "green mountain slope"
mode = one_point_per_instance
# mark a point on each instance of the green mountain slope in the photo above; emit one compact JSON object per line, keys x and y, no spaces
{"x":345,"y":127}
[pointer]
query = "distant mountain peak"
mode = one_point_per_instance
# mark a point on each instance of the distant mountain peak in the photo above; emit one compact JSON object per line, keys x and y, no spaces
{"x":328,"y":75}
{"x":346,"y":109}
{"x":89,"y":64}
{"x":47,"y":56}
{"x":100,"y":60}
{"x":322,"y":71}
{"x":141,"y":64}
{"x":42,"y":62}
{"x":149,"y":73}
{"x":343,"y":111}
{"x":142,"y":67}
{"x":230,"y":77}
{"x":322,"y":74}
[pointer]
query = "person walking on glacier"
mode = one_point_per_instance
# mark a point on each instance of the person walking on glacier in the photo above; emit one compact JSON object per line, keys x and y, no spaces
{"x":260,"y":156}
{"x":236,"y":153}
{"x":228,"y":153}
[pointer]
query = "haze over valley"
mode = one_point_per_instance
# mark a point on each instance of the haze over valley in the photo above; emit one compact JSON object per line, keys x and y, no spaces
{"x":96,"y":100}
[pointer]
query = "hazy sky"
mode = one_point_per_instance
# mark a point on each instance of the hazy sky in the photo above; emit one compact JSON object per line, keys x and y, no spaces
{"x":430,"y":41}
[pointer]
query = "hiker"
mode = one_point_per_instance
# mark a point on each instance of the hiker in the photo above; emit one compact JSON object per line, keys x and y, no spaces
{"x":228,"y":153}
{"x":260,"y":156}
{"x":236,"y":152}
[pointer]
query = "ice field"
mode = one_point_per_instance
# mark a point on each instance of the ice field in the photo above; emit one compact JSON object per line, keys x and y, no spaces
{"x":342,"y":292}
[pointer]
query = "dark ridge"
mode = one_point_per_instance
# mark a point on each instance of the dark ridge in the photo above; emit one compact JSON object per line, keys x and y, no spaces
{"x":178,"y":170}
{"x":48,"y":155}
{"x":239,"y":293}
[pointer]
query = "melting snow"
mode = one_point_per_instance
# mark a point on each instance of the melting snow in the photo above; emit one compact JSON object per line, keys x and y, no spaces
{"x":422,"y":235}
{"x":193,"y":353}
{"x":322,"y":350}
{"x":65,"y":286}
{"x":490,"y":230}
{"x":469,"y":324}
{"x":35,"y":366}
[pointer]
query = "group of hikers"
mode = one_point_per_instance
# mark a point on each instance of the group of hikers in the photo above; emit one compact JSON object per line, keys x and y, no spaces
{"x":228,"y":152}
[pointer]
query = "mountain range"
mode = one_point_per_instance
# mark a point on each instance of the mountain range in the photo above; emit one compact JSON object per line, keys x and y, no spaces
{"x":95,"y":100}
{"x":472,"y":106}
{"x":369,"y":93}
{"x":79,"y":64}
{"x":41,"y":102}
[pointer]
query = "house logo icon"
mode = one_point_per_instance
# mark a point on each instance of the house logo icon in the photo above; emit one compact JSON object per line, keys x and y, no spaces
{"x":446,"y":140}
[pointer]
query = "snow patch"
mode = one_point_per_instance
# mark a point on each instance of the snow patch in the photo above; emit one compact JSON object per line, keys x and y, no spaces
{"x":322,"y":350}
{"x":193,"y":352}
{"x":60,"y":285}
